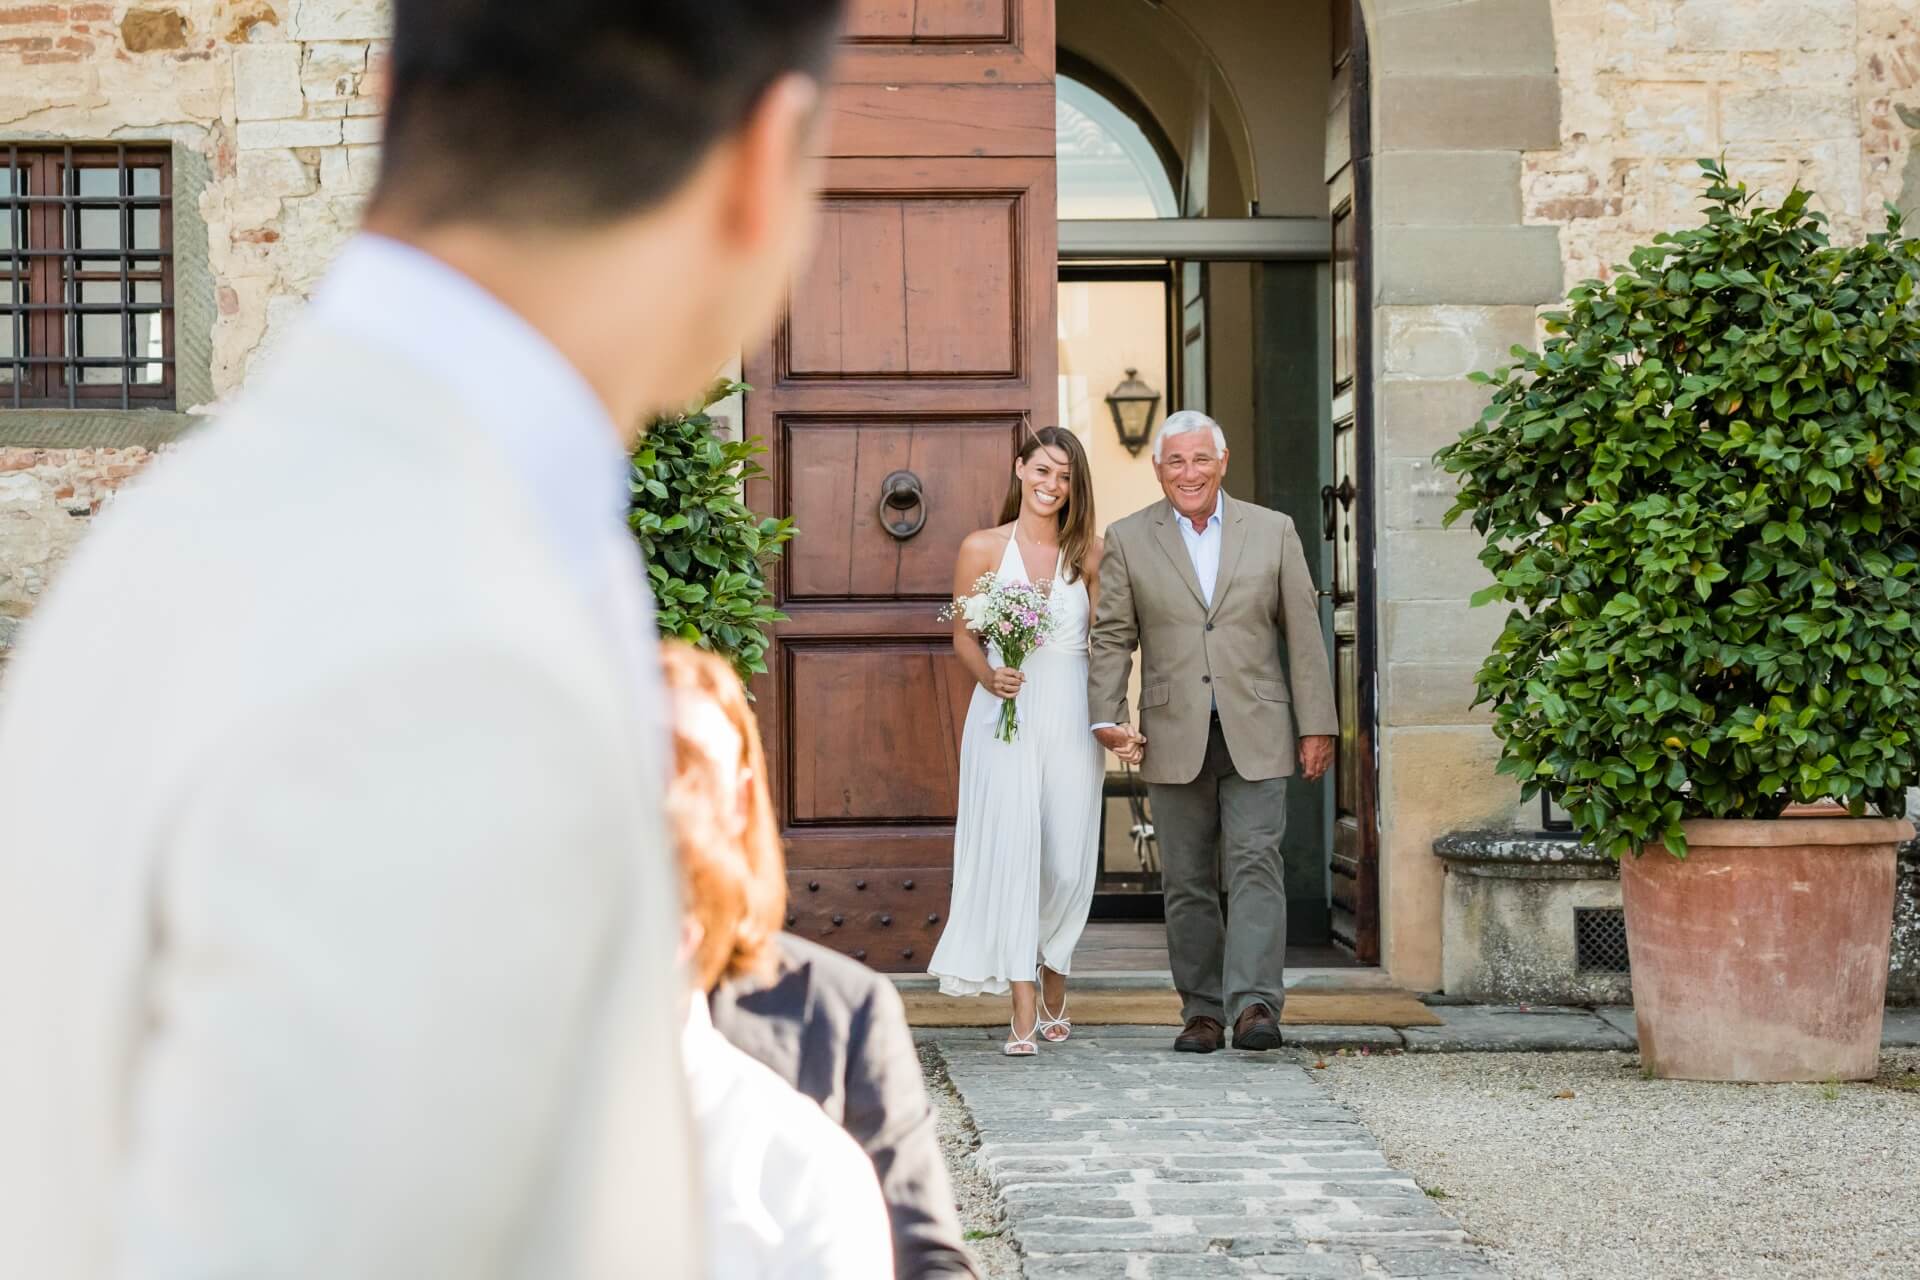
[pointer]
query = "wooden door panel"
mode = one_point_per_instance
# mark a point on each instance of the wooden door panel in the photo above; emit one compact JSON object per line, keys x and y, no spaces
{"x":924,"y":269}
{"x":833,"y":473}
{"x":914,"y":21}
{"x":980,"y":120}
{"x":948,"y":42}
{"x":928,"y":287}
{"x":891,"y":919}
{"x":962,"y":309}
{"x":920,"y":337}
{"x":848,"y":313}
{"x":858,"y":711}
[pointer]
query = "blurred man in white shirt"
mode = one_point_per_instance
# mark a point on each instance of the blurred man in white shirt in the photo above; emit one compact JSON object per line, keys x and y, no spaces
{"x":337,"y":917}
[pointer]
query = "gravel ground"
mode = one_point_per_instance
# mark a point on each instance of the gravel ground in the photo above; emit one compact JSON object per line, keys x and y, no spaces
{"x":993,"y":1254}
{"x":1577,"y":1167}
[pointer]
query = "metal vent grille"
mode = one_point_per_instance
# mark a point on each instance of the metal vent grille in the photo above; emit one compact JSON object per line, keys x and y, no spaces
{"x":1600,"y":940}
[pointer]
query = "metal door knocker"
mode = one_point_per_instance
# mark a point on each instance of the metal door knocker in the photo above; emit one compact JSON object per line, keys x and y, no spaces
{"x":903,"y":505}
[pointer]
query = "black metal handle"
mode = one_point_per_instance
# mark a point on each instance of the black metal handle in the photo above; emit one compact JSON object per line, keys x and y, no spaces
{"x":903,"y":505}
{"x":1344,"y":495}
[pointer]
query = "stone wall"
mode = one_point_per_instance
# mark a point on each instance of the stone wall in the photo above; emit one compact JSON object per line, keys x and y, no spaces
{"x":1510,"y":903}
{"x":281,"y":98}
{"x":47,"y":497}
{"x":1520,"y":146}
{"x":1825,"y":93}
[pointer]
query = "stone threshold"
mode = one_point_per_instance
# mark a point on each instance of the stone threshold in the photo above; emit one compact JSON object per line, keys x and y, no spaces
{"x":1466,"y":1029}
{"x":1355,"y":978}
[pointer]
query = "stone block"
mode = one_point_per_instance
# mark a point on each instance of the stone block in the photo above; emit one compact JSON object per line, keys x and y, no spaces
{"x":341,"y":20}
{"x":1620,"y":1018}
{"x":1440,"y":112}
{"x":1433,"y":780}
{"x":1509,"y":931}
{"x":1663,"y":118}
{"x":1764,"y":25}
{"x":1450,"y":342}
{"x":1417,"y":418}
{"x":1771,"y":115}
{"x":288,"y":133}
{"x":1478,"y":37}
{"x":266,"y":81}
{"x":1510,"y":1029}
{"x":1446,"y":188}
{"x":1454,"y":1262}
{"x":1432,"y":693}
{"x":1484,"y":265}
{"x":1441,"y":631}
{"x":1328,"y":1038}
{"x":1045,"y":1242}
{"x":1432,"y":564}
{"x":1313,"y":1266}
{"x":332,"y":70}
{"x":274,"y":172}
{"x":363,"y":168}
{"x":1901,"y":1030}
{"x":361,"y":130}
{"x":1419,"y":494}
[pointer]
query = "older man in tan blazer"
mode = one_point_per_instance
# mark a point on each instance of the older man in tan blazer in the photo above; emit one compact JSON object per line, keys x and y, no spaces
{"x":1213,"y":591}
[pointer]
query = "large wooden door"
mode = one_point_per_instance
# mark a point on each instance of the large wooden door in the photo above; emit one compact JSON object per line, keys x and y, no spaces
{"x":1345,"y":502}
{"x":915,"y":349}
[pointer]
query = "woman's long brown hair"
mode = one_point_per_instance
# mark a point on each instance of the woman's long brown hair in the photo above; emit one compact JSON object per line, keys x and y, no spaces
{"x":736,"y":887}
{"x":1076,"y":518}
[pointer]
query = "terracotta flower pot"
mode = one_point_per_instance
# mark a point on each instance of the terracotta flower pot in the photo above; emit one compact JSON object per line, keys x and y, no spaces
{"x":1762,"y":956}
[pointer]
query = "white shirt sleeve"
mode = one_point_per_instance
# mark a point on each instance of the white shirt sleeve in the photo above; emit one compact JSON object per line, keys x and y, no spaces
{"x":839,"y":1228}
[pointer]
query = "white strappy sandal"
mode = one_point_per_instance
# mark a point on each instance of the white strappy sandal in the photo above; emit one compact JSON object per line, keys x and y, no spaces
{"x":1048,"y":1024}
{"x":1018,"y":1046}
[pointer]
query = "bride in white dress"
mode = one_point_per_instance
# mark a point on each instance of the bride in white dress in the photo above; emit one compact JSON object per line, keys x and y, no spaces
{"x":1025,"y":847}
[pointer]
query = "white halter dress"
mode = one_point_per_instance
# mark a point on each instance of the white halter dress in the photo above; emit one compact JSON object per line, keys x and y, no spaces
{"x":1026,"y":844}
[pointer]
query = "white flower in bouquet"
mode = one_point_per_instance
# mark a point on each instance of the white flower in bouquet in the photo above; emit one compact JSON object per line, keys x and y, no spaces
{"x":1014,"y":619}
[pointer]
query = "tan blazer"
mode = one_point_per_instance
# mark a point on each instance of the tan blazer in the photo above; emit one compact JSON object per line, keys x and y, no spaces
{"x":337,"y":921}
{"x":1263,"y":604}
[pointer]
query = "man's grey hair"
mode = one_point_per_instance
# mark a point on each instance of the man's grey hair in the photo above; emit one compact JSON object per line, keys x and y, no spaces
{"x":1185,"y":421}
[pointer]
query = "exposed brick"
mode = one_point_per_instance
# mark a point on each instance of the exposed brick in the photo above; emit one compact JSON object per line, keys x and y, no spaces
{"x":39,"y":14}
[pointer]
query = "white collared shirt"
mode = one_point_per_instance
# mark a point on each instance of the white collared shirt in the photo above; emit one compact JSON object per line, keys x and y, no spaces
{"x":1203,"y":547}
{"x":788,"y":1194}
{"x":512,"y":382}
{"x":536,"y":408}
{"x":1203,"y":552}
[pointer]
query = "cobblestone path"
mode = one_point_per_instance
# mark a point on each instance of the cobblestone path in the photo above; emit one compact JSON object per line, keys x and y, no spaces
{"x":1116,"y":1157}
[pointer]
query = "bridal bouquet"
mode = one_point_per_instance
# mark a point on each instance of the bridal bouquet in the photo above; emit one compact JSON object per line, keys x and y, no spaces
{"x":1015,"y":618}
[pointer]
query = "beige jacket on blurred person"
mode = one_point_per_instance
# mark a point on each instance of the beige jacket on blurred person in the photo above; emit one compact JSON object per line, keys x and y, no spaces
{"x":336,"y":920}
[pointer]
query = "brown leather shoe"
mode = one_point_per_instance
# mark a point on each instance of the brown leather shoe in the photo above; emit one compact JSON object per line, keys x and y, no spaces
{"x":1202,"y":1035}
{"x":1256,"y":1028}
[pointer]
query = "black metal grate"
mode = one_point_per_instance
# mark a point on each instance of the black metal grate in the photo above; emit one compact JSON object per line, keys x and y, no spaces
{"x":86,"y":277}
{"x":1600,"y":940}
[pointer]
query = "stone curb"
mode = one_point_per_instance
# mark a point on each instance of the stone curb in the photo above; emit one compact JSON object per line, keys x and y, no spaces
{"x":1467,"y":1029}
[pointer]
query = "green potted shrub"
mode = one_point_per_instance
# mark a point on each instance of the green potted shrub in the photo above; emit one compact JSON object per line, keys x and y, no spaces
{"x":1701,"y":502}
{"x":707,"y":553}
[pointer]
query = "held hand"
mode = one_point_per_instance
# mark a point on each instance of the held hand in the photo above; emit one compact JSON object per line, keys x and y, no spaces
{"x":1005,"y":682}
{"x":1316,"y":756}
{"x":1125,"y":742}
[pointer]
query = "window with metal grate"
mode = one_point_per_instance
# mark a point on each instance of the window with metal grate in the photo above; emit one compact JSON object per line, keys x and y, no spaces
{"x":86,"y":277}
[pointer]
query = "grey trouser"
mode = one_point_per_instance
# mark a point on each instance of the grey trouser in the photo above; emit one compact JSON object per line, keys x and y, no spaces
{"x":1222,"y":825}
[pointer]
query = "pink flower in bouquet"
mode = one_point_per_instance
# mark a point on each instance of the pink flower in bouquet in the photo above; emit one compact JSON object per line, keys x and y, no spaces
{"x":1018,"y":617}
